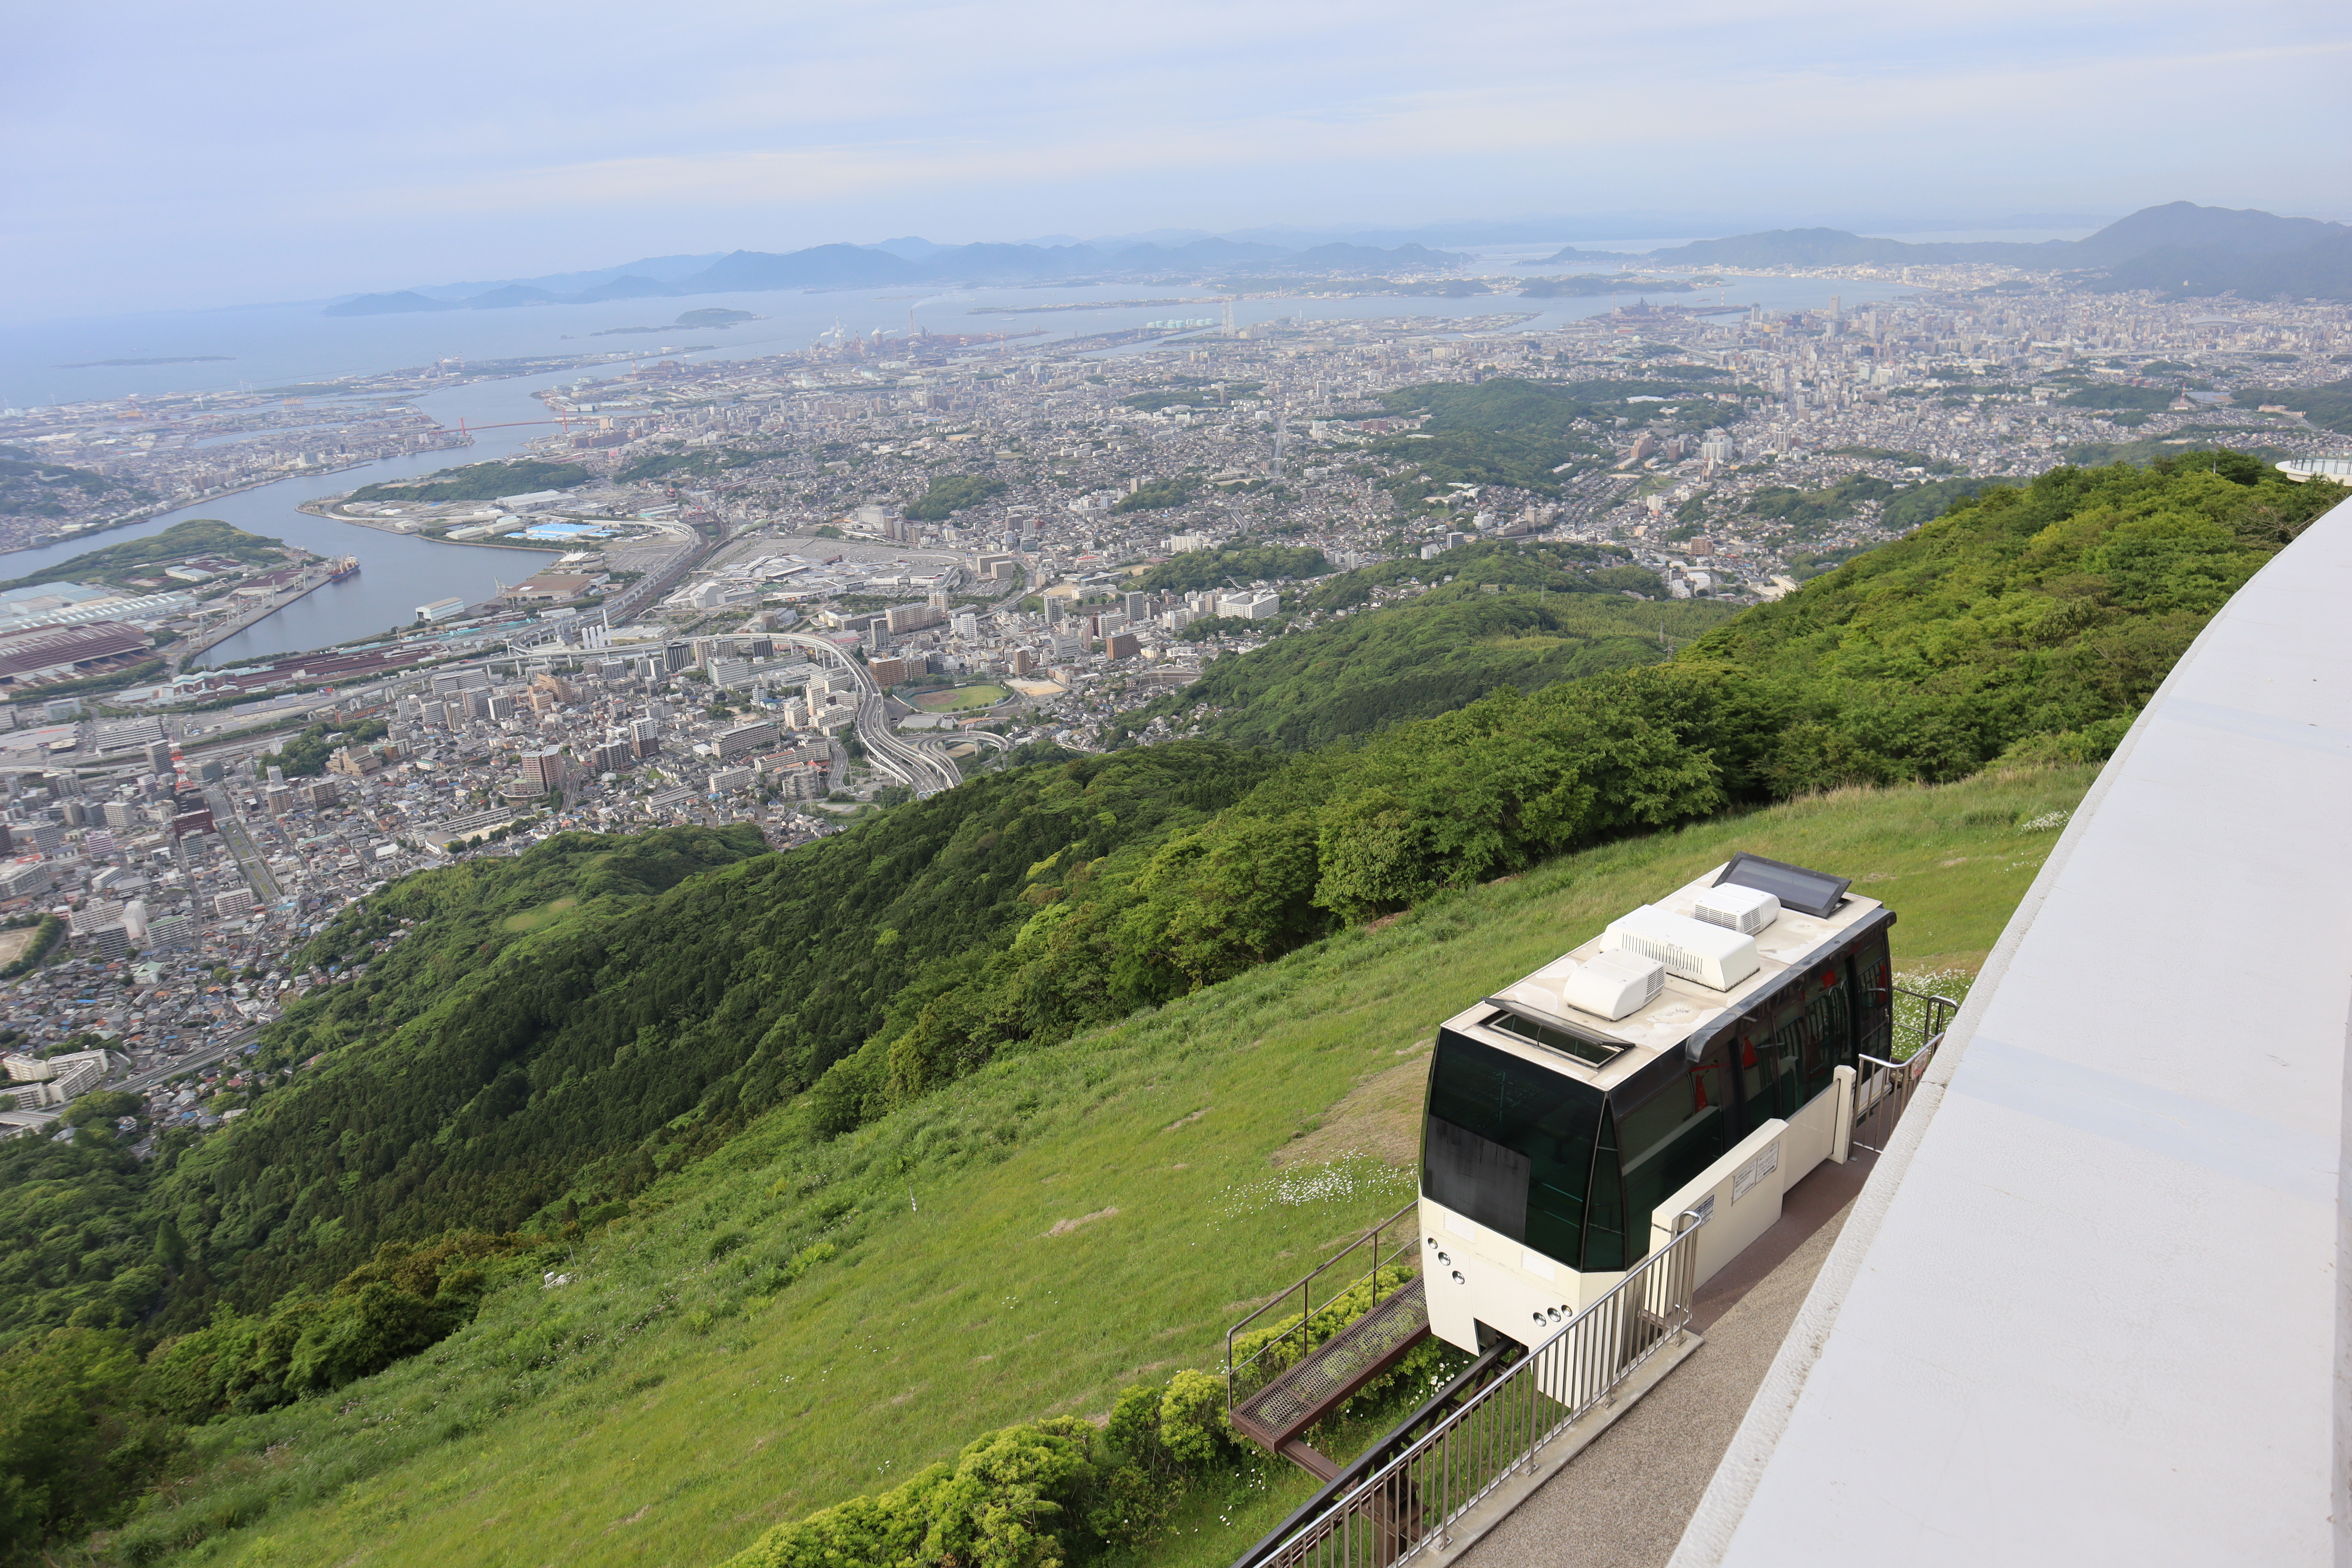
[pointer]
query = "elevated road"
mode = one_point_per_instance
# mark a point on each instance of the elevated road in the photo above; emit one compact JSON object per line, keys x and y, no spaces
{"x":250,"y":859}
{"x":923,"y":770}
{"x":203,"y":1056}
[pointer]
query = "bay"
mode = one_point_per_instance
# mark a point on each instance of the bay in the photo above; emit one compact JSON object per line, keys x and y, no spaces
{"x":281,"y":345}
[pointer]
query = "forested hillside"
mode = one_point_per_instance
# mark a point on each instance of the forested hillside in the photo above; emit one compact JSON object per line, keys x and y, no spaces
{"x":207,"y":1222}
{"x":574,"y":1023}
{"x":1523,"y":618}
{"x":1550,"y":565}
{"x":560,"y":1029}
{"x":2038,"y":618}
{"x":800,"y":1319}
{"x":535,"y":1045}
{"x":1511,"y":431}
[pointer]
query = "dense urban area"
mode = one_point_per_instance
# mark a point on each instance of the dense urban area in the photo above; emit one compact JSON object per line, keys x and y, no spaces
{"x":803,"y":588}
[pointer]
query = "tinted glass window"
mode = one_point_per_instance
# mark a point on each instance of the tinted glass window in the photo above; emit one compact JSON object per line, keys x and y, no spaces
{"x":1874,"y":999}
{"x":1829,"y":1037}
{"x":1789,"y":1055}
{"x":1751,"y":1046}
{"x":1605,"y":1249}
{"x":1673,"y":1136}
{"x":1476,"y":1176}
{"x":1510,"y":1144}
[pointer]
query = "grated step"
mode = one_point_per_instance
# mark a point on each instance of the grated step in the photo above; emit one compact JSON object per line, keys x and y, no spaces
{"x":1304,"y":1394}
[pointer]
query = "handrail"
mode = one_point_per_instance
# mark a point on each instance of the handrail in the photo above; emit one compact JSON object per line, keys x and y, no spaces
{"x":1416,"y":1497}
{"x":1883,"y":1092}
{"x":1401,"y":1436}
{"x":1933,"y":1022}
{"x":1304,"y":1287}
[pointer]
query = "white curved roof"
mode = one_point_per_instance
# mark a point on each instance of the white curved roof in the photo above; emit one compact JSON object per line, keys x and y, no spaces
{"x":2091,"y":1306}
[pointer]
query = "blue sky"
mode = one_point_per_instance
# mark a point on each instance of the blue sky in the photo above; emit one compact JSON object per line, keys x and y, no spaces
{"x":172,"y":156}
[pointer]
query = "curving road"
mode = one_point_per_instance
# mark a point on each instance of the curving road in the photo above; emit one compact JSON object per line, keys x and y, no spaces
{"x":925,"y":772}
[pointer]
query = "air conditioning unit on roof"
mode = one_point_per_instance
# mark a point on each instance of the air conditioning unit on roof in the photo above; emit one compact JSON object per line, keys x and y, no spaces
{"x":1693,"y":949}
{"x":1615,"y":984}
{"x":1747,"y":910}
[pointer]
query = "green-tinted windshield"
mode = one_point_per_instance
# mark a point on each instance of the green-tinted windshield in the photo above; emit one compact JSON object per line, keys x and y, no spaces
{"x":1510,"y":1144}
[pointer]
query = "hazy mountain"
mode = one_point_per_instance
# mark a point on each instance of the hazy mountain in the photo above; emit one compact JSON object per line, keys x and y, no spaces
{"x":512,"y":294}
{"x":819,"y":267}
{"x":1836,"y":247}
{"x":658,"y":269}
{"x":1365,"y":257}
{"x":633,"y":287}
{"x":2179,"y":246}
{"x":2240,"y":232}
{"x":909,"y":247}
{"x":909,"y":259}
{"x":2321,"y":270}
{"x":397,"y":304}
{"x":1210,"y":252}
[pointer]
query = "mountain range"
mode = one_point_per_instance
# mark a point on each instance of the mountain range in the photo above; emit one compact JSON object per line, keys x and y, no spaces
{"x":897,"y":261}
{"x":2179,"y":247}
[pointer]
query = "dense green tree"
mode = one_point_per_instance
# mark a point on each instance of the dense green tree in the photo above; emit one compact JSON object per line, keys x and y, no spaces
{"x":523,"y":1045}
{"x":951,"y":493}
{"x":1200,"y":570}
{"x":75,"y":1446}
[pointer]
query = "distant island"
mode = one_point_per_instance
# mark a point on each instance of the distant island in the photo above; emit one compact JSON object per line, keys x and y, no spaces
{"x":866,"y":266}
{"x":174,"y":359}
{"x":713,"y":316}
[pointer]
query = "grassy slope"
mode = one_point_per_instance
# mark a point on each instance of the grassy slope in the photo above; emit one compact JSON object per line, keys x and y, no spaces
{"x":654,"y":1412}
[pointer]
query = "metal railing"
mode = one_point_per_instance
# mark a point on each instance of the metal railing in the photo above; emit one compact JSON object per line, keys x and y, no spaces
{"x":1882,"y":1088}
{"x":1935,"y":1015}
{"x":1417,"y":1496}
{"x":1394,"y":1237}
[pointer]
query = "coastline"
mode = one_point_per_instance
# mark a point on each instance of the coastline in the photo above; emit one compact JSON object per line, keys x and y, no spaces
{"x":323,"y":510}
{"x":151,"y":513}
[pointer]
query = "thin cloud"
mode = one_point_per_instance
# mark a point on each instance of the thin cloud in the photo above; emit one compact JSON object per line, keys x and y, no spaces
{"x":168,"y":154}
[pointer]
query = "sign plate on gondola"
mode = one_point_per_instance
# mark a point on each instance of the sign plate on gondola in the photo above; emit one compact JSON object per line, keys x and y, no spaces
{"x":1755,"y":1171}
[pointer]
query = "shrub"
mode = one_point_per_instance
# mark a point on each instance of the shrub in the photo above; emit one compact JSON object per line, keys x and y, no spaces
{"x":1042,"y":1494}
{"x":1192,"y":1420}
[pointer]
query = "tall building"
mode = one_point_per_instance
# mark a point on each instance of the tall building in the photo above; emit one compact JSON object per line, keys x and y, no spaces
{"x":745,"y":738}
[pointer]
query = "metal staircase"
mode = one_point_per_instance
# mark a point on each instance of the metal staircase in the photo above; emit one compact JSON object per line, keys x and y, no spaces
{"x":1285,"y":1386}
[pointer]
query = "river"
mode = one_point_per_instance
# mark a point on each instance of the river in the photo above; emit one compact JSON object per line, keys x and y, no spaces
{"x":398,"y":573}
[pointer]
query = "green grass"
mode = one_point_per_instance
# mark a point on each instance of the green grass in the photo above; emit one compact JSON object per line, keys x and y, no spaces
{"x":658,"y":1409}
{"x":532,"y":919}
{"x":961,"y":697}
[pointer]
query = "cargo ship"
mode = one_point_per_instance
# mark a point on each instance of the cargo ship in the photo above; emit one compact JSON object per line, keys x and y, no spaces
{"x":344,"y":566}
